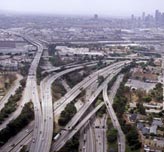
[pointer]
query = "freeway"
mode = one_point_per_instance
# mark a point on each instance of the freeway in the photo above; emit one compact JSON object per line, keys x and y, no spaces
{"x":66,"y":134}
{"x":115,"y":87}
{"x":119,"y":42}
{"x":51,"y":78}
{"x":100,"y":134}
{"x":82,"y":138}
{"x":34,"y":92}
{"x":75,"y":119}
{"x":108,"y":102}
{"x":31,"y":90}
{"x":89,"y":143}
{"x":87,"y":139}
{"x":11,"y":91}
{"x":25,"y":141}
{"x":61,"y":142}
{"x":100,"y":124}
{"x":30,"y":87}
{"x":94,"y":136}
{"x":76,"y":90}
{"x":129,"y":58}
{"x":19,"y":140}
{"x":31,"y":83}
{"x":69,"y":66}
{"x":43,"y":142}
{"x":37,"y":112}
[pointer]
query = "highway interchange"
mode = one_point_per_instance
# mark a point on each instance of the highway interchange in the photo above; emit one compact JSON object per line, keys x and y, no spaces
{"x":28,"y":137}
{"x":39,"y":134}
{"x":65,"y":134}
{"x":47,"y":110}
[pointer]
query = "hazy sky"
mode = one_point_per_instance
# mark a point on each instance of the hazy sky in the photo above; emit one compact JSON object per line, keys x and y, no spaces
{"x":102,"y":7}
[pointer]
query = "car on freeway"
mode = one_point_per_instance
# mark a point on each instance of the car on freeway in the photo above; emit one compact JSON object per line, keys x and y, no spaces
{"x":33,"y":140}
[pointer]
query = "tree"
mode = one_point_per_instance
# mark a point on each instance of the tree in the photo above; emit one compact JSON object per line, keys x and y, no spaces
{"x":157,"y":92}
{"x":112,"y":135}
{"x":23,"y":82}
{"x":101,"y":111}
{"x":72,"y":145}
{"x":18,"y":124}
{"x":100,"y":79}
{"x":132,"y":138}
{"x":51,"y":49}
{"x":141,"y":108}
{"x":147,"y":99}
{"x":67,"y":114}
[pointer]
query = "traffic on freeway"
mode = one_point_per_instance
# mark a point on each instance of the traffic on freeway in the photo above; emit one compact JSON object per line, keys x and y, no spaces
{"x":66,"y":135}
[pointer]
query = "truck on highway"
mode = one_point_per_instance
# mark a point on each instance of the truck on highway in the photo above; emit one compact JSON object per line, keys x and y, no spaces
{"x":57,"y":136}
{"x":84,"y":149}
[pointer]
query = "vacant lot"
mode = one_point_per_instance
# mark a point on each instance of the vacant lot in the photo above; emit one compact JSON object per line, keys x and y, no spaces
{"x":6,"y":80}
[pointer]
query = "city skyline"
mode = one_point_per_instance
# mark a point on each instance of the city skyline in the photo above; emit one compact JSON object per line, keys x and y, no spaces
{"x":78,"y":7}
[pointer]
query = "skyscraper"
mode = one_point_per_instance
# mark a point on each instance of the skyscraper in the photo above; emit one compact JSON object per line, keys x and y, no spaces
{"x":143,"y":16}
{"x":158,"y":17}
{"x":95,"y":16}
